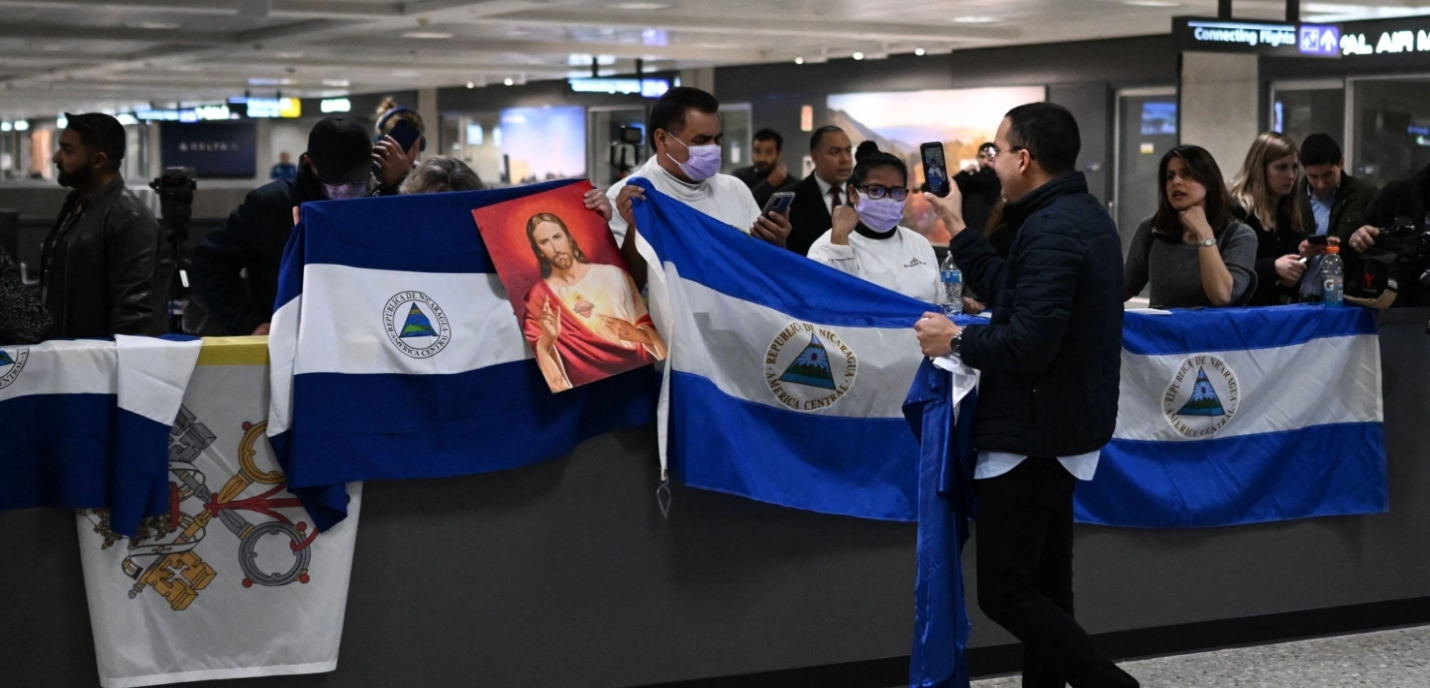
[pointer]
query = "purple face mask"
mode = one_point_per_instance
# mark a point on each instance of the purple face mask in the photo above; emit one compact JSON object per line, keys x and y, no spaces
{"x":342,"y":192}
{"x":880,"y":215}
{"x":704,"y":161}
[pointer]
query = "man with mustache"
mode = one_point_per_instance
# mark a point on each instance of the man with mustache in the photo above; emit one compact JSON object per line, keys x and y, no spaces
{"x":584,"y":320}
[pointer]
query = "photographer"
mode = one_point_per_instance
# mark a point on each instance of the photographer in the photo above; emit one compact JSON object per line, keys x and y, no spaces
{"x":338,"y":165}
{"x":1408,"y":199}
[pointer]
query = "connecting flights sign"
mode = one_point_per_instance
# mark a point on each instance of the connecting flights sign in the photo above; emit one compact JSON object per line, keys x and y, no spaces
{"x":1259,"y":38}
{"x":1403,"y":37}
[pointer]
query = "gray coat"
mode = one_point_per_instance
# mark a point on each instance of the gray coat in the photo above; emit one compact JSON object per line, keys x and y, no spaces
{"x":1174,"y":268}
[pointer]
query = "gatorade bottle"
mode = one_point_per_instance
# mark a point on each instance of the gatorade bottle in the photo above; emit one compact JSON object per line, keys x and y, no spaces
{"x":1332,"y":278}
{"x":950,"y":292}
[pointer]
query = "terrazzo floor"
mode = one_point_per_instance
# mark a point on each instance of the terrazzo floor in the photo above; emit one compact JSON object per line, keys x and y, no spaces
{"x":1384,"y":659}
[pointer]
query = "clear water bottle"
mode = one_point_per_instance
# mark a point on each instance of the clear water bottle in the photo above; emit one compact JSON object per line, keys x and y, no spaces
{"x":1332,"y":278}
{"x":950,"y":288}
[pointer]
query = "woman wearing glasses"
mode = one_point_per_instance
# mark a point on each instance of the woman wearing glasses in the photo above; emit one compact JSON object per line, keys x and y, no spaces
{"x":867,"y":241}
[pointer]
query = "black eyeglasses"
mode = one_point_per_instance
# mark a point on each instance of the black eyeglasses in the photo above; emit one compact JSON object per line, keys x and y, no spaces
{"x":896,"y":193}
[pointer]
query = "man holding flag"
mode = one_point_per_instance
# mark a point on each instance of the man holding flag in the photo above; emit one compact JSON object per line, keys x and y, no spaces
{"x":1049,"y":362}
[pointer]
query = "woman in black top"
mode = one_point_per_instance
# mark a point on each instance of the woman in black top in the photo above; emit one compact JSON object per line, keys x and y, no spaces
{"x":1265,"y":200}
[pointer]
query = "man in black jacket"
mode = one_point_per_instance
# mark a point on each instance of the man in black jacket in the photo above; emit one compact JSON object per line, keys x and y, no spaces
{"x":99,"y":270}
{"x":1050,"y":360}
{"x":1408,"y":199}
{"x":338,"y":165}
{"x":767,"y":175}
{"x":812,"y":212}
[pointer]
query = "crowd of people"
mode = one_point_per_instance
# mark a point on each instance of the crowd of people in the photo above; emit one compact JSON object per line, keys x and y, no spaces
{"x":1043,"y":254}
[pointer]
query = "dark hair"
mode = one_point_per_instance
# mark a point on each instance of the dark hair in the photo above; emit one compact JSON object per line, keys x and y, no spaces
{"x":771,"y":135}
{"x":986,"y":145}
{"x":868,"y":158}
{"x":1320,"y":149}
{"x":1202,"y":168}
{"x":669,"y":111}
{"x":1048,"y":132}
{"x":536,"y":221}
{"x":819,"y":133}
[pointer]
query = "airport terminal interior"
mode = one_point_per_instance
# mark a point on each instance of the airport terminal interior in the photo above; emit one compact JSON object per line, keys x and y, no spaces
{"x":721,"y":343}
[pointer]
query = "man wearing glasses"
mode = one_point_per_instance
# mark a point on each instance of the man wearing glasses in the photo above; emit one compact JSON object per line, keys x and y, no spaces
{"x":1050,"y":359}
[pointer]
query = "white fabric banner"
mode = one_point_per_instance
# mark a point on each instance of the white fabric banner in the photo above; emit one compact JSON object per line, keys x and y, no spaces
{"x":234,"y":582}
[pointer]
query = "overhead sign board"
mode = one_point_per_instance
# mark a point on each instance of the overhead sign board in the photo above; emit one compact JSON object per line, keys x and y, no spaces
{"x":1405,"y":37}
{"x":648,"y":87}
{"x":1191,"y":34}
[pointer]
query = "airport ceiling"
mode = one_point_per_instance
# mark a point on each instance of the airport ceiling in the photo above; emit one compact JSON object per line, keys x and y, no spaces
{"x":93,"y":54}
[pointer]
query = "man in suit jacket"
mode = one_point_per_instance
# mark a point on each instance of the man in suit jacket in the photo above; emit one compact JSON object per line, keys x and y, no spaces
{"x":820,"y":193}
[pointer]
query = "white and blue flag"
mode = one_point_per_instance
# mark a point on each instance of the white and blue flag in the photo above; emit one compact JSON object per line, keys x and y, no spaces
{"x":1235,"y":416}
{"x":86,"y":424}
{"x":786,"y":379}
{"x":396,"y":354}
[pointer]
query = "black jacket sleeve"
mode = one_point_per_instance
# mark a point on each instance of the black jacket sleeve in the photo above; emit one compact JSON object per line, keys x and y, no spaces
{"x":22,"y":319}
{"x":132,"y":255}
{"x":980,"y":263}
{"x":217,"y":264}
{"x":1051,"y":261}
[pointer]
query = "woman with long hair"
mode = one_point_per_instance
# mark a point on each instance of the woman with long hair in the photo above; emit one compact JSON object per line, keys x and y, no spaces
{"x":867,"y":240}
{"x":1192,"y":251}
{"x":1263,"y":193}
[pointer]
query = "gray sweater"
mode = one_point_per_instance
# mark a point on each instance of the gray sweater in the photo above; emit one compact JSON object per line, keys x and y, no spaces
{"x":1174,"y":268}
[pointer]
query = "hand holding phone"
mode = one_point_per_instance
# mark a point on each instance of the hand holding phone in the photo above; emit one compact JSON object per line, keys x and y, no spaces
{"x":779,"y":203}
{"x":935,"y":168}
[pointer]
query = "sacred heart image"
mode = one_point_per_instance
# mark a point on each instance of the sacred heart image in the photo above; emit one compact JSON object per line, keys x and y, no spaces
{"x":569,"y":287}
{"x":1202,"y":398}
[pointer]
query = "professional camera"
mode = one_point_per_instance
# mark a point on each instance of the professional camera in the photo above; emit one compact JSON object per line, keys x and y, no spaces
{"x":176,"y":205}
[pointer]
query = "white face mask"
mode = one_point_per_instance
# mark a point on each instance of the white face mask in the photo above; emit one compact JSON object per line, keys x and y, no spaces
{"x":704,"y":160}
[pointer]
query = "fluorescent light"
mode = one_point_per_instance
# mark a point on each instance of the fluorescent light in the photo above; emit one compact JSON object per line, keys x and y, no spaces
{"x":6,"y":126}
{"x":126,"y":119}
{"x":434,"y":35}
{"x":22,"y":125}
{"x":643,"y":6}
{"x":1152,"y":3}
{"x":799,"y":60}
{"x":858,"y":56}
{"x":508,"y":81}
{"x":471,"y":84}
{"x":974,"y":20}
{"x":335,"y":105}
{"x":919,"y":51}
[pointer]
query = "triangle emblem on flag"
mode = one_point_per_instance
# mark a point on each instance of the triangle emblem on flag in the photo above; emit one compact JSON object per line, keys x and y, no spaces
{"x":417,"y":324}
{"x":811,"y":367}
{"x":1204,"y":401}
{"x":5,"y":359}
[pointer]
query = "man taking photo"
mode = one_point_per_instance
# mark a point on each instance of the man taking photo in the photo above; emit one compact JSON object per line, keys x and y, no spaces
{"x":1050,"y":360}
{"x":99,"y":269}
{"x":768,"y":174}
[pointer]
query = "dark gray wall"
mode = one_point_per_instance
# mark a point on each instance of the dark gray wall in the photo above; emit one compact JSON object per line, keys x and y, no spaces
{"x":534,"y":94}
{"x":564,"y":574}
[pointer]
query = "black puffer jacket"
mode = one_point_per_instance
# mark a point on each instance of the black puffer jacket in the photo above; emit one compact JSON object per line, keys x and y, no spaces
{"x":1409,"y":199}
{"x":1051,"y":356}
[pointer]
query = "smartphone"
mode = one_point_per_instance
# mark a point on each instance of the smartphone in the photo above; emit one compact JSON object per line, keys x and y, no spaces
{"x":779,"y":203}
{"x":405,"y":134}
{"x":1316,"y":240}
{"x":935,"y":169}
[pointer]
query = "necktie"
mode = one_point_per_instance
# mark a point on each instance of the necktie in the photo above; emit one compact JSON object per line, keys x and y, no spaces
{"x":834,"y":196}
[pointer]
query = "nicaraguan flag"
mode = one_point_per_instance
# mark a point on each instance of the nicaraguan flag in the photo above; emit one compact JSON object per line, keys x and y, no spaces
{"x":86,"y":424}
{"x":1235,"y":416}
{"x":395,"y":354}
{"x":786,"y":379}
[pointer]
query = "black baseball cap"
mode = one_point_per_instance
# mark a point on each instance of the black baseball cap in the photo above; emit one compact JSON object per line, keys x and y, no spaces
{"x":341,"y":150}
{"x":101,"y":132}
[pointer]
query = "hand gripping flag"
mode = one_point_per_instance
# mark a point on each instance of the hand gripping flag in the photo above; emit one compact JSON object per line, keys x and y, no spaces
{"x":786,"y":378}
{"x":1235,"y":416}
{"x":395,"y":354}
{"x":86,"y":424}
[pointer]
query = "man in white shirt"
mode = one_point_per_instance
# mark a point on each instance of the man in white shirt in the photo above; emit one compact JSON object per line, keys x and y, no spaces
{"x":827,"y":188}
{"x":685,"y":131}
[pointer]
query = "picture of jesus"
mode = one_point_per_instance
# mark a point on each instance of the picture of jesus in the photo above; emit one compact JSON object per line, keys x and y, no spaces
{"x":585,"y":321}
